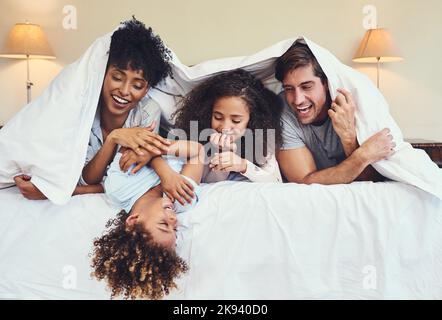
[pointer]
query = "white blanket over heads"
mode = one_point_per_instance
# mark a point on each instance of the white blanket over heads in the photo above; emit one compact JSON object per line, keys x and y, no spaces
{"x":408,"y":165}
{"x":48,"y":138}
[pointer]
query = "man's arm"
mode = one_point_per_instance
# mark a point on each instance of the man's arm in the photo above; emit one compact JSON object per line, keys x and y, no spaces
{"x":342,"y":114}
{"x":369,"y":173}
{"x":298,"y":165}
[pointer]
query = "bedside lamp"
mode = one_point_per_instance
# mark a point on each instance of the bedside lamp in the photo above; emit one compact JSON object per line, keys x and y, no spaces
{"x":377,"y":46}
{"x":27,"y":41}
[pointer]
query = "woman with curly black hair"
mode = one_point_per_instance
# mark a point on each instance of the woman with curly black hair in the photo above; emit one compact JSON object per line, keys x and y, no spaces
{"x":245,"y":117}
{"x":138,"y":60}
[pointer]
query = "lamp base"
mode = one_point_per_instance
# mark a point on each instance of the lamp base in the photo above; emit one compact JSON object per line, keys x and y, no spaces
{"x":29,"y":85}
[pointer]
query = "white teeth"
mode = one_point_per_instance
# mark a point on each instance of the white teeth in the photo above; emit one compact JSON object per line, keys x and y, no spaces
{"x":120,"y":100}
{"x":303,"y":108}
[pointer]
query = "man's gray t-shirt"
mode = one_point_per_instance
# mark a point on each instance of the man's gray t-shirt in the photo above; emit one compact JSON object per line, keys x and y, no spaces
{"x":322,"y":140}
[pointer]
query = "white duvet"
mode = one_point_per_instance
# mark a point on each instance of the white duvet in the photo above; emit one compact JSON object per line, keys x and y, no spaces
{"x":47,"y":140}
{"x":244,"y":241}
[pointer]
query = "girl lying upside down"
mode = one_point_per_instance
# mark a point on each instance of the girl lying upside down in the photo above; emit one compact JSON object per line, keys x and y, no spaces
{"x":136,"y":256}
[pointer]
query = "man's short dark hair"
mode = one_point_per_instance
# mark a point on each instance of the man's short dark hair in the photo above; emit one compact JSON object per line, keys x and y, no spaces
{"x":298,"y":55}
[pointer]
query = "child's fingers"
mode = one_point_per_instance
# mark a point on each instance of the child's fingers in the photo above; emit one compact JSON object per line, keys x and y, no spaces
{"x":122,"y":164}
{"x":227,"y":168}
{"x":222,"y":166}
{"x":129,"y":162}
{"x":123,"y":160}
{"x":184,"y":195}
{"x":137,"y":168}
{"x":230,"y":145}
{"x":215,"y":159}
{"x":216,"y":138}
{"x":228,"y":141}
{"x":188,"y":191}
{"x":171,"y":198}
{"x":227,"y":157}
{"x":178,"y":198}
{"x":222,"y":140}
{"x":188,"y":184}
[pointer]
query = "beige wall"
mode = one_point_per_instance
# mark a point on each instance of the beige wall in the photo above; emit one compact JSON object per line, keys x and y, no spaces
{"x":198,"y":30}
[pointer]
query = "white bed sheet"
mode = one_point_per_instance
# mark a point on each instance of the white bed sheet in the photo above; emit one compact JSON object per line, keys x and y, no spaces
{"x":244,"y":241}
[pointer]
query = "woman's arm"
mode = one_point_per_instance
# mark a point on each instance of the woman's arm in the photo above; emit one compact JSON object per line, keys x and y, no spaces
{"x":94,"y":171}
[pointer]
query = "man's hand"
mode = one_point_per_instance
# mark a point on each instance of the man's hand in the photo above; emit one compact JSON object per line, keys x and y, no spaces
{"x":378,"y":147}
{"x":130,"y":158}
{"x":176,"y":187}
{"x":27,"y":188}
{"x":228,"y":161}
{"x":342,"y":115}
{"x":138,"y":138}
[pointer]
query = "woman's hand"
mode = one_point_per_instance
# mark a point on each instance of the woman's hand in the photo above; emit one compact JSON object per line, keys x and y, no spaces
{"x":137,"y":138}
{"x":176,"y":187}
{"x":228,"y":161}
{"x":28,"y":189}
{"x":130,"y":158}
{"x":223,"y":142}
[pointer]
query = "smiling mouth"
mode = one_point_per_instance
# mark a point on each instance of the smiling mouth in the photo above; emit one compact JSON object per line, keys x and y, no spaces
{"x":120,"y":100}
{"x":304,"y":109}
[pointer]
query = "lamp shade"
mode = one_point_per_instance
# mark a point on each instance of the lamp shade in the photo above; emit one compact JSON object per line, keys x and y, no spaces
{"x":377,"y":46}
{"x":26,"y":39}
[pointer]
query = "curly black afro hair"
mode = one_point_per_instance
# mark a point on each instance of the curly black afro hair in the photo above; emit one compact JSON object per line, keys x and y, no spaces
{"x":264,"y":107}
{"x":137,"y":48}
{"x":132,"y":264}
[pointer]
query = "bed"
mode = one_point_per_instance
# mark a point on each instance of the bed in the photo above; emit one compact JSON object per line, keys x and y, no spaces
{"x":244,"y":241}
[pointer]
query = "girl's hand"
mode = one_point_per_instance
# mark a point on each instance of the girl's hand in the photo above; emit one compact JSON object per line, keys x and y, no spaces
{"x":130,"y":158}
{"x":176,"y":187}
{"x":223,"y":142}
{"x":138,"y":138}
{"x":228,"y":161}
{"x":28,"y":189}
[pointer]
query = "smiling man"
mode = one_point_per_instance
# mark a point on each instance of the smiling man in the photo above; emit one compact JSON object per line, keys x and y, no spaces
{"x":319,"y":135}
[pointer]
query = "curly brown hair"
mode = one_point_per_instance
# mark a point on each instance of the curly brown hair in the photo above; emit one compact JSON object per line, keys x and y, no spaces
{"x":132,"y":264}
{"x":264,"y":107}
